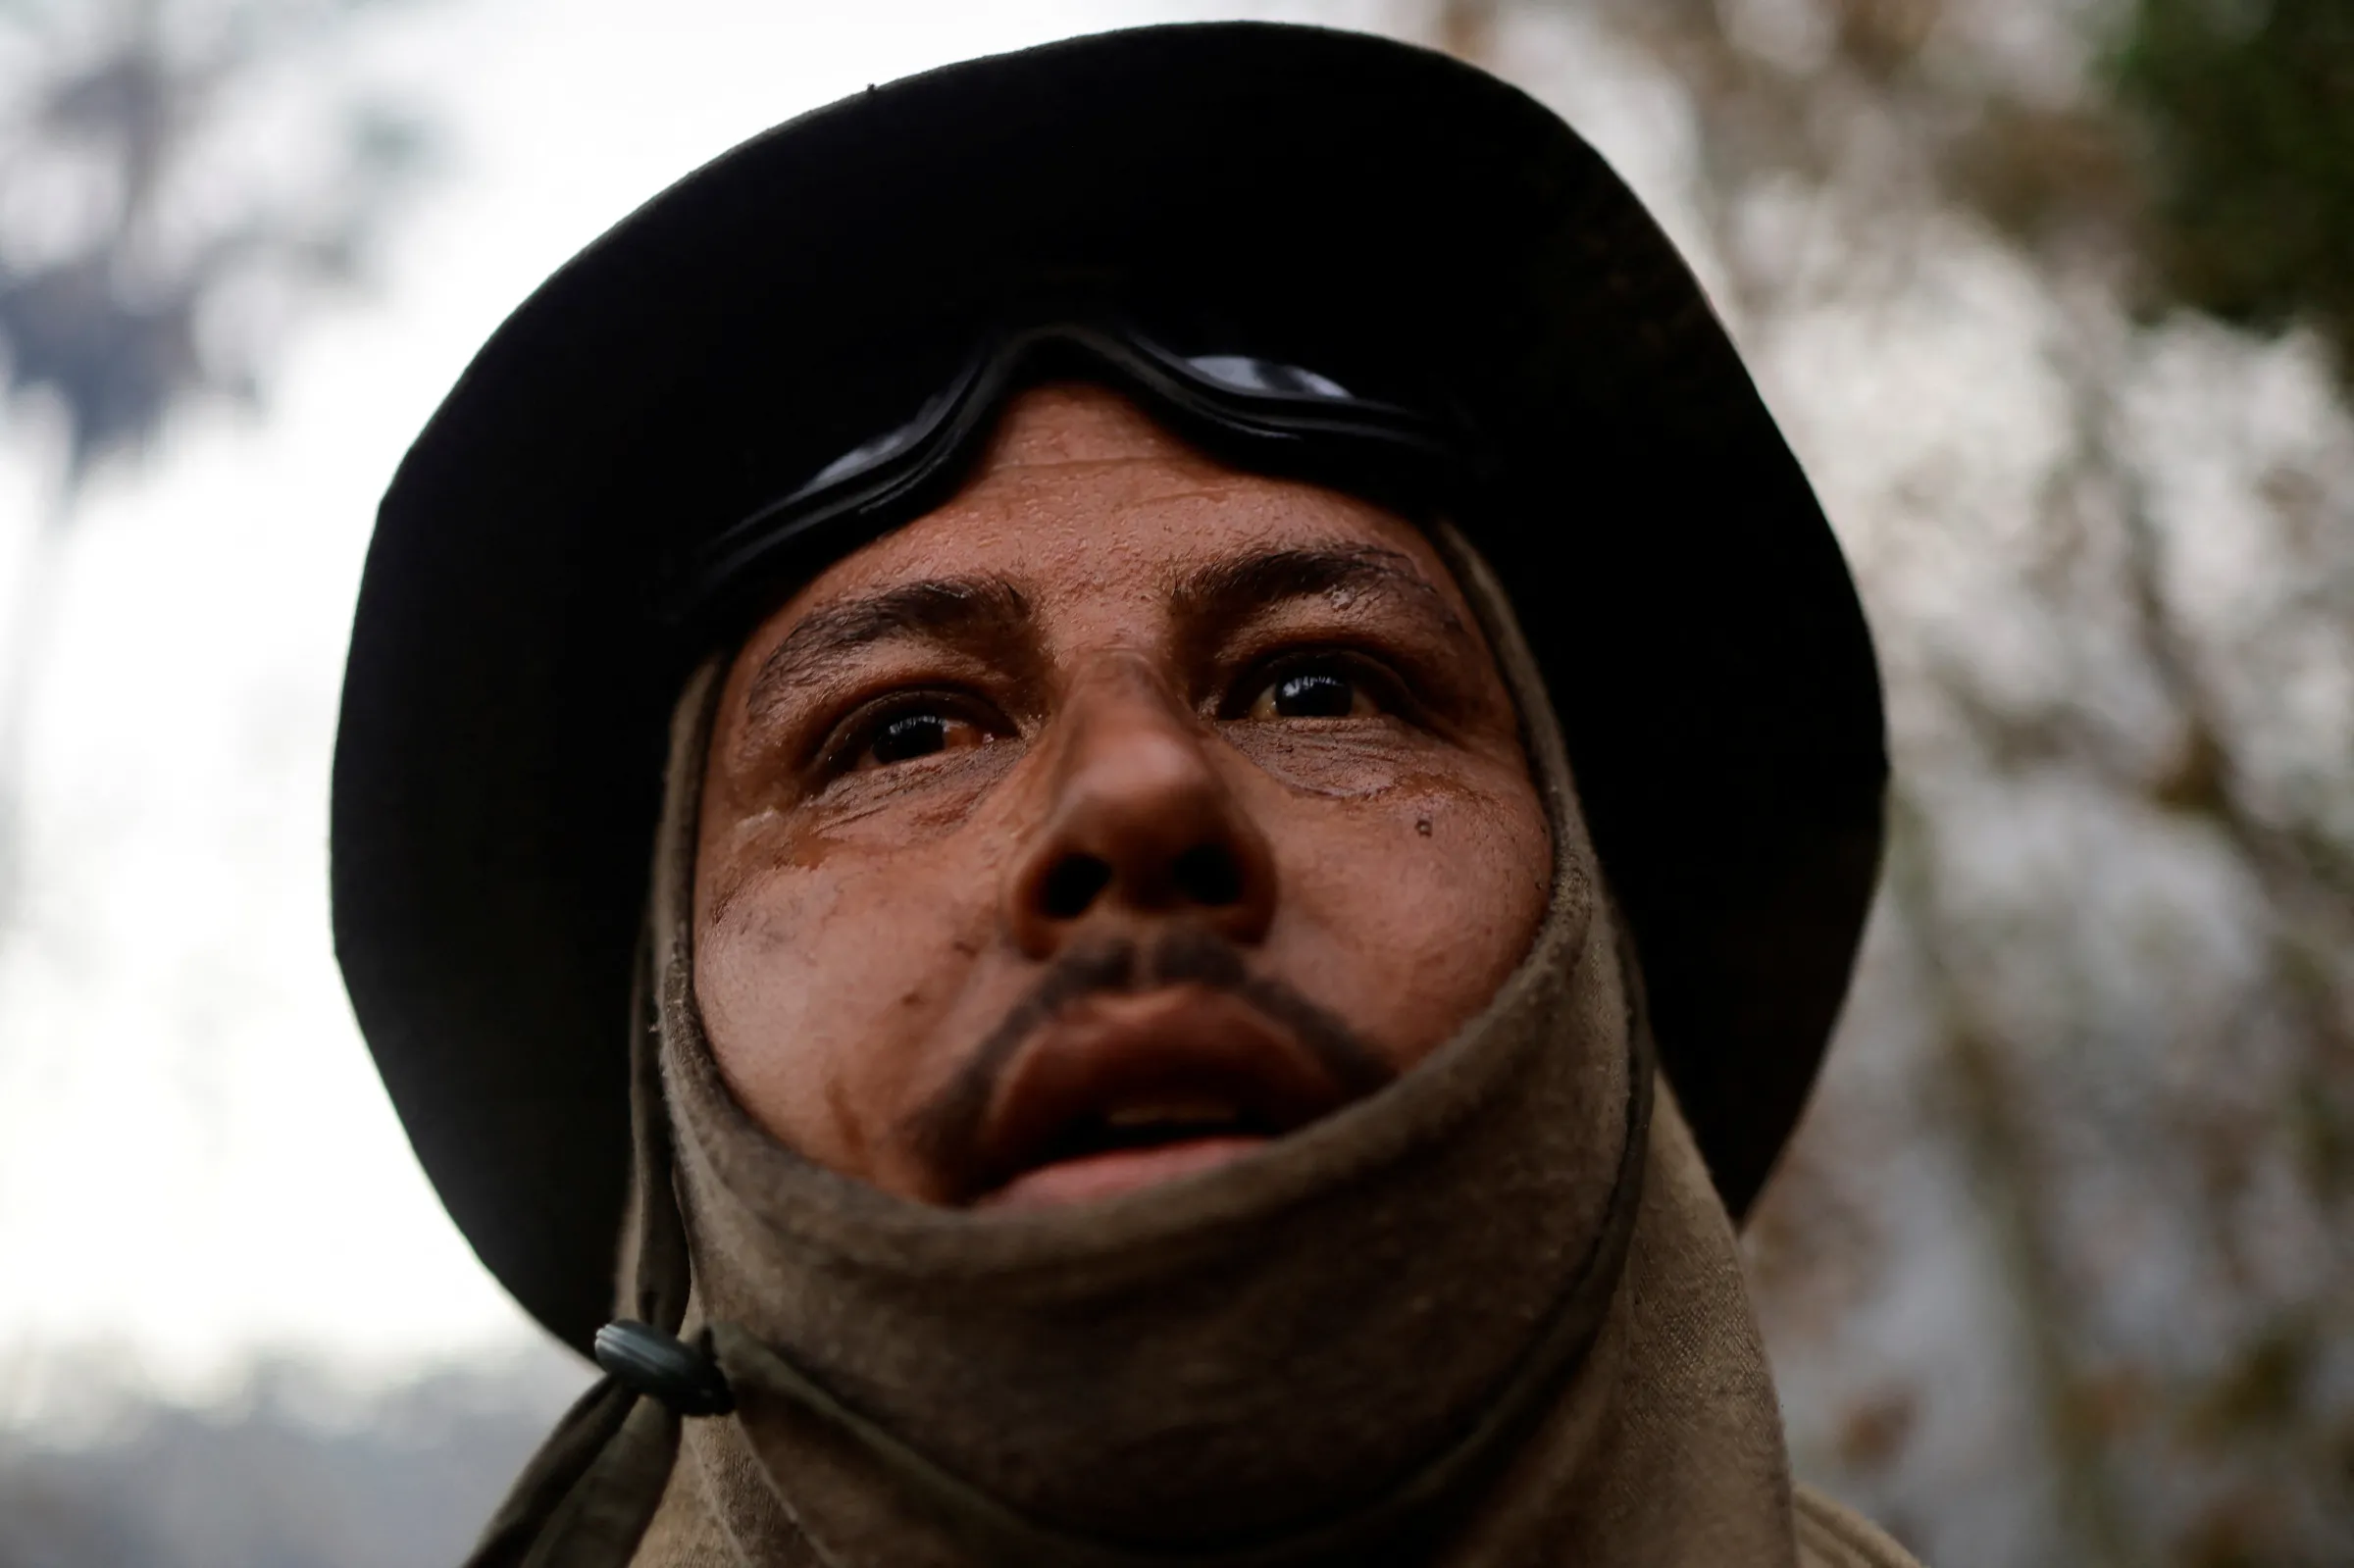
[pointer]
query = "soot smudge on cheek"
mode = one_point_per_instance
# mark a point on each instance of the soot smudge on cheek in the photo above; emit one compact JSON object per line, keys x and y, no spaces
{"x":1355,"y":760}
{"x":904,"y":806}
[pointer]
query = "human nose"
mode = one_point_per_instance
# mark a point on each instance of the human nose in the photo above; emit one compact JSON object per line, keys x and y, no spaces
{"x":1139,"y":822}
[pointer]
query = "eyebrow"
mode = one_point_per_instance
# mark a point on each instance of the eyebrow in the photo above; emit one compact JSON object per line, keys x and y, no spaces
{"x":1215,"y":599}
{"x":985,"y":617}
{"x":991,"y":620}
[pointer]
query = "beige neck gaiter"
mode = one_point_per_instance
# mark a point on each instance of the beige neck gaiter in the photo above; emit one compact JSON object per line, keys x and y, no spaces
{"x":1490,"y":1315}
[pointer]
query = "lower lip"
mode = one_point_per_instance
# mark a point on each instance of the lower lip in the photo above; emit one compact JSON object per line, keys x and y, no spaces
{"x":1096,"y":1177}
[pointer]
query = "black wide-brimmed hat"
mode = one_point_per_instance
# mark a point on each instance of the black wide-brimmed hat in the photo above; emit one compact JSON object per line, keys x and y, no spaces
{"x":1365,"y":208}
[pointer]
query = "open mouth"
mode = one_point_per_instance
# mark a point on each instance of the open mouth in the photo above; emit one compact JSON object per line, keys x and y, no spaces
{"x":1110,"y":1171}
{"x":1138,"y":1128}
{"x":1130,"y":1091}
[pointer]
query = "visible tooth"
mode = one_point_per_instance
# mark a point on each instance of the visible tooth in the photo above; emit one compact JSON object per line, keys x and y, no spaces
{"x":1172,"y":1113}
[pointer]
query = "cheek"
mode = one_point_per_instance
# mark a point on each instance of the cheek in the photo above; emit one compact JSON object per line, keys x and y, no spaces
{"x":1412,"y":907}
{"x":826,"y":976}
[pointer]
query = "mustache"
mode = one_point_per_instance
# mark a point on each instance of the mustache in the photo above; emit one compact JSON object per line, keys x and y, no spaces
{"x":946,"y":1129}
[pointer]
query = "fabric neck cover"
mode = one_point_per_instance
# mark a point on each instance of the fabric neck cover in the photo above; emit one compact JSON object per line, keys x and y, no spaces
{"x":1490,"y":1315}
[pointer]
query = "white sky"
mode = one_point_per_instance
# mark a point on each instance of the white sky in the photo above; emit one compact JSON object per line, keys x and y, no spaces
{"x":196,"y":1161}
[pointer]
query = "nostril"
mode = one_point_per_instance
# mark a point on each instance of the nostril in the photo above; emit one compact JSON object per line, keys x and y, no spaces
{"x":1072,"y":886}
{"x":1210,"y":875}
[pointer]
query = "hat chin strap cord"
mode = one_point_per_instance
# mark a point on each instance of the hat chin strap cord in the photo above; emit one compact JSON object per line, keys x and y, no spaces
{"x":589,"y":1493}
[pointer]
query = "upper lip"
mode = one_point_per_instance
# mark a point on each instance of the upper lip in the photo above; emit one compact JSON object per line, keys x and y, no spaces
{"x":1182,"y":1060}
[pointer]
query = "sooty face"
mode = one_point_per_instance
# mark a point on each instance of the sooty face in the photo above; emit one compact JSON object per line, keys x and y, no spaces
{"x":1124,"y":813}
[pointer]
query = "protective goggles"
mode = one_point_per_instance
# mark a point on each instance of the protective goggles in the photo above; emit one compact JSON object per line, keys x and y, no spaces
{"x":1258,"y":414}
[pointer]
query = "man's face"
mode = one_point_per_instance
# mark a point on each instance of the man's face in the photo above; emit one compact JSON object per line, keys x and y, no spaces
{"x":1118,"y":816}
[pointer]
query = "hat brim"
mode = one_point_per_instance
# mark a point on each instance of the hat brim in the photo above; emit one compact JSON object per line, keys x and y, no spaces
{"x":497,"y":768}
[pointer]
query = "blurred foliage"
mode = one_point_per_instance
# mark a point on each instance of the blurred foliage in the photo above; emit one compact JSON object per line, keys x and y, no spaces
{"x":2060,"y":1268}
{"x":159,"y":235}
{"x":117,"y":254}
{"x":2210,"y":160}
{"x":2248,"y":111}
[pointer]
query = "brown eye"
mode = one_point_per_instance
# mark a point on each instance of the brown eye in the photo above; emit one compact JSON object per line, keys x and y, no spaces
{"x":920,"y":733}
{"x":1313,"y":695}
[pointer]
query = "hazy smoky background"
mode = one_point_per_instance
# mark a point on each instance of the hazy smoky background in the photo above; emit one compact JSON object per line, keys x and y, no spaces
{"x":2055,"y":299}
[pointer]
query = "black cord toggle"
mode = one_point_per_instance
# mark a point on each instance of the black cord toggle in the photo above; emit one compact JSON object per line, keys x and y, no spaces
{"x":645,"y":1360}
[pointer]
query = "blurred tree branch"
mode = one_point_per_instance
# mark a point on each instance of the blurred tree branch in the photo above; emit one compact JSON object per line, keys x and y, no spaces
{"x":2006,"y":1157}
{"x":2247,"y":113}
{"x":122,"y":270}
{"x":111,"y":320}
{"x":2183,"y":153}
